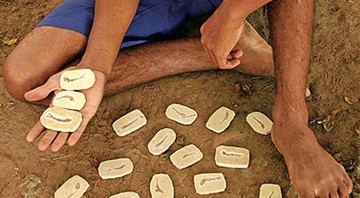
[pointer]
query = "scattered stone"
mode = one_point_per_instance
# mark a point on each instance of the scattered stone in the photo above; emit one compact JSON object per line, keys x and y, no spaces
{"x":75,"y":187}
{"x":186,"y":156}
{"x":129,"y":123}
{"x":232,"y":157}
{"x":162,"y":141}
{"x":115,"y":168}
{"x":209,"y":183}
{"x":220,"y":120}
{"x":259,"y":122}
{"x":181,"y":114}
{"x":161,"y":186}
{"x":270,"y":191}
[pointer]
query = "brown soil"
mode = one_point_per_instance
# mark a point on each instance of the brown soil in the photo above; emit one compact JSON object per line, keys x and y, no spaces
{"x":334,"y":74}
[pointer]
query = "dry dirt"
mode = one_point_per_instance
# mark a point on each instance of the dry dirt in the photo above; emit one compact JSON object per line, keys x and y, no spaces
{"x":334,"y":74}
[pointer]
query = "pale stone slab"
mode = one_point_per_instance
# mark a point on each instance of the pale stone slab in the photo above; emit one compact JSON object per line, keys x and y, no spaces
{"x":186,"y":156}
{"x":162,"y":141}
{"x":209,"y":183}
{"x":69,"y":100}
{"x":220,"y":119}
{"x":259,"y":122}
{"x":129,"y":123}
{"x":59,"y":119}
{"x":161,"y":186}
{"x":126,"y":195}
{"x":115,"y":168}
{"x":270,"y":191}
{"x":308,"y":92}
{"x":78,"y":79}
{"x":232,"y":157}
{"x":181,"y":114}
{"x":74,"y":187}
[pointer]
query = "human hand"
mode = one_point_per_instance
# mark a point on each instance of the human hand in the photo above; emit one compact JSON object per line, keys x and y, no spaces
{"x":219,"y":36}
{"x":55,"y":139}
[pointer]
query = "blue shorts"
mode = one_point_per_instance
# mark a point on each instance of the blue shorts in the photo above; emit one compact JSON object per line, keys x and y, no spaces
{"x":154,"y":20}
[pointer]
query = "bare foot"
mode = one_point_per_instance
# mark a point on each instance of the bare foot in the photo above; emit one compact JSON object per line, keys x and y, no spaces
{"x":257,"y":58}
{"x":313,"y":171}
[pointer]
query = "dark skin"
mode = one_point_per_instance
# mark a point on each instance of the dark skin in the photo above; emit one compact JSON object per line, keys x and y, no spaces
{"x":291,"y":28}
{"x":234,"y":46}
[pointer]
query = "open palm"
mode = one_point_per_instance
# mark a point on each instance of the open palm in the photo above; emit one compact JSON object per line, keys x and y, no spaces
{"x":55,"y":139}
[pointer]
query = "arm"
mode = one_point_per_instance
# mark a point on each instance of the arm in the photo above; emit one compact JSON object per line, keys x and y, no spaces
{"x":223,"y":29}
{"x":111,"y":21}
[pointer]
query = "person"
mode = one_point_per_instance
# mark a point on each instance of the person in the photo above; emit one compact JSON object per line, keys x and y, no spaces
{"x":97,"y":29}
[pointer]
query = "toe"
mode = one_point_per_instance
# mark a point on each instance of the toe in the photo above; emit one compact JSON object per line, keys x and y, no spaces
{"x":334,"y":194}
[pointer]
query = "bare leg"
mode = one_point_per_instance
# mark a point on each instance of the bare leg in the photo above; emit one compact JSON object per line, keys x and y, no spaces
{"x":46,"y":49}
{"x":313,"y":171}
{"x":39,"y":55}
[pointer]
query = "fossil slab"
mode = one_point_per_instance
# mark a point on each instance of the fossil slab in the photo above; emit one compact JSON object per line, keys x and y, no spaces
{"x":162,"y":141}
{"x":161,"y":186}
{"x":126,"y":195}
{"x":270,"y":191}
{"x":181,"y":114}
{"x":220,"y":119}
{"x":232,"y":157}
{"x":186,"y":156}
{"x":69,"y":100}
{"x":259,"y":122}
{"x":74,"y":187}
{"x":129,"y":123}
{"x":78,"y":79}
{"x":115,"y":168}
{"x":59,"y":119}
{"x":209,"y":183}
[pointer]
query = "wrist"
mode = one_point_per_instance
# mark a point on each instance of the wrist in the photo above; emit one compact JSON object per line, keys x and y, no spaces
{"x":234,"y":10}
{"x":96,"y":67}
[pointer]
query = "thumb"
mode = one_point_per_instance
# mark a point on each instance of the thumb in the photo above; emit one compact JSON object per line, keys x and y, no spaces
{"x":43,"y":91}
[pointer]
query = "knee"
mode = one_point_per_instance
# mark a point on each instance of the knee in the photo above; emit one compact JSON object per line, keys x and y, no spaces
{"x":17,"y":78}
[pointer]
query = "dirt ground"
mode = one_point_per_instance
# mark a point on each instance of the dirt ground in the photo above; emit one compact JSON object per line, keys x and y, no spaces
{"x":334,"y":74}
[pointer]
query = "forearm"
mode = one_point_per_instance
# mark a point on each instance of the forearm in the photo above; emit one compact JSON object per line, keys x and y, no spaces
{"x":291,"y":30}
{"x":240,"y":9}
{"x":111,"y":21}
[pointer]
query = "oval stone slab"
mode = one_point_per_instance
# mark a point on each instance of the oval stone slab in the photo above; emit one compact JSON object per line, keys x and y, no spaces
{"x":162,"y":141}
{"x":181,"y":114}
{"x":59,"y":119}
{"x":186,"y":156}
{"x":259,"y":122}
{"x":75,"y":187}
{"x":270,"y":191}
{"x":69,"y":100}
{"x":129,"y":123}
{"x":126,"y":195}
{"x":232,"y":157}
{"x":161,"y":186}
{"x":78,"y":79}
{"x":115,"y":168}
{"x":220,"y":119}
{"x":209,"y":183}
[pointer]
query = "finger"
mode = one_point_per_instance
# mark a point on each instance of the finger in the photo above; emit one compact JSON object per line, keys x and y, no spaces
{"x":230,"y":64}
{"x":334,"y":194}
{"x":59,"y":141}
{"x":343,"y":189}
{"x":236,"y":54}
{"x":348,"y":183}
{"x":74,"y":137}
{"x":37,"y":129}
{"x":48,"y":138}
{"x":44,"y":90}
